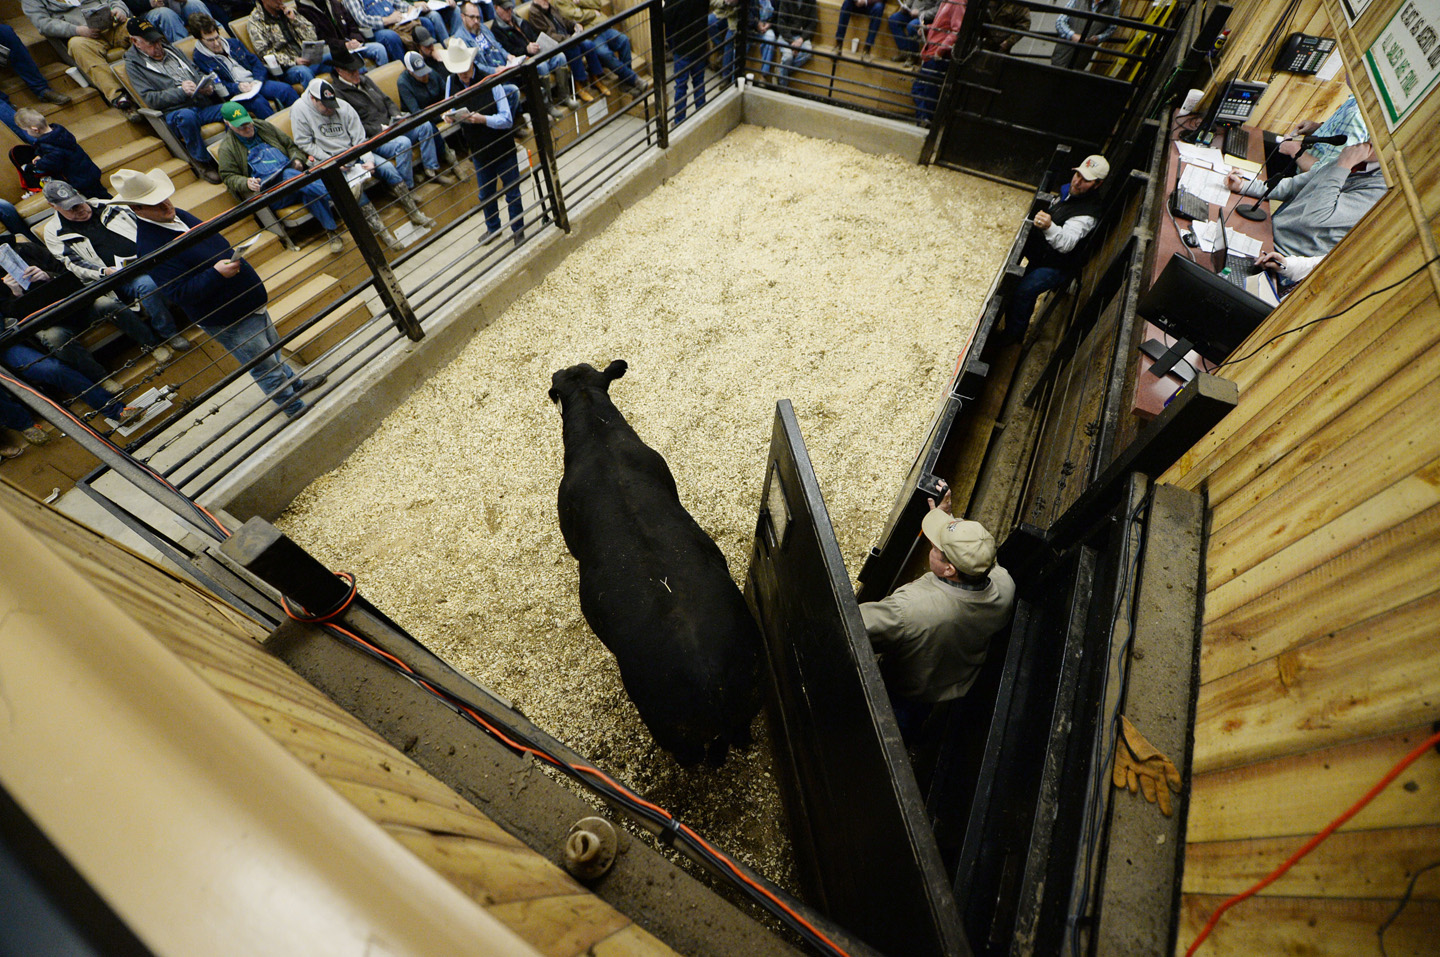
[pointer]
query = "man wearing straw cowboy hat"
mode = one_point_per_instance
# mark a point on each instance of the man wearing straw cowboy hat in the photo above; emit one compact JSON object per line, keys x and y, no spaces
{"x":489,"y":128}
{"x":217,"y":289}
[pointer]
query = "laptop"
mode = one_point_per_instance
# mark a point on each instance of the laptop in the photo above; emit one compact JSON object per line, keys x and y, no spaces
{"x":1240,"y":270}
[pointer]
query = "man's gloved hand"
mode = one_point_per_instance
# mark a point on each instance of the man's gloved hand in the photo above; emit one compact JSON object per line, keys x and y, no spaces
{"x":1139,"y":766}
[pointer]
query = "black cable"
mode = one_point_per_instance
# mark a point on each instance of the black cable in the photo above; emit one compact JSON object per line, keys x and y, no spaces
{"x":1334,"y":315}
{"x":1395,"y":914}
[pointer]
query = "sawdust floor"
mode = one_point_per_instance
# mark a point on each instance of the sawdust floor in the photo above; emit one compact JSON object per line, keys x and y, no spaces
{"x":773,"y":266}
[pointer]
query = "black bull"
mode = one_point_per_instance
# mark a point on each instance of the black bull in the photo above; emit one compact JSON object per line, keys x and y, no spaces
{"x":653,"y":586}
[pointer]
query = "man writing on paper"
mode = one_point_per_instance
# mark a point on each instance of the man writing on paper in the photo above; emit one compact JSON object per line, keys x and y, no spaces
{"x":1318,"y":208}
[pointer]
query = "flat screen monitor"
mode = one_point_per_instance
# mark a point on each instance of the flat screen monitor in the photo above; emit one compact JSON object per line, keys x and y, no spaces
{"x":1190,"y":301}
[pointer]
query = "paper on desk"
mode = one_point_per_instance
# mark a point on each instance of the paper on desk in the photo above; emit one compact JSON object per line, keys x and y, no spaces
{"x":1202,"y":155}
{"x":1205,"y":183}
{"x":1245,"y":166}
{"x":1206,"y":233}
{"x":1238,"y":242}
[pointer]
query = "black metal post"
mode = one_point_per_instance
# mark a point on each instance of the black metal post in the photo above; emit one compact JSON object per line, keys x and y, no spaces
{"x":741,"y":41}
{"x":386,"y":284}
{"x":657,"y":72}
{"x":549,"y":169}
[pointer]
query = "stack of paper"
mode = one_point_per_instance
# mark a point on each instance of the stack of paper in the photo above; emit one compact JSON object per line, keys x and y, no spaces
{"x":1207,"y":184}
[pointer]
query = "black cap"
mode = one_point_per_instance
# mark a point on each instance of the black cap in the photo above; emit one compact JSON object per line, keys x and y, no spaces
{"x":143,"y":29}
{"x":421,"y":35}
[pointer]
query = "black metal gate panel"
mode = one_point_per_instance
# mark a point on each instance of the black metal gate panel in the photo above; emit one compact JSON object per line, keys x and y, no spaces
{"x":865,"y":852}
{"x":1008,"y":114}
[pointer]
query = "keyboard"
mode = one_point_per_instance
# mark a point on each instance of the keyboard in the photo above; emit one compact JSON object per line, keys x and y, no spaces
{"x":1237,"y":142}
{"x":1187,"y":204}
{"x":1237,"y":268}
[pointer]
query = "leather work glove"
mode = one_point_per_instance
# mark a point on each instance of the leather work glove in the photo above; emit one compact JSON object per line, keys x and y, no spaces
{"x":1140,"y":766}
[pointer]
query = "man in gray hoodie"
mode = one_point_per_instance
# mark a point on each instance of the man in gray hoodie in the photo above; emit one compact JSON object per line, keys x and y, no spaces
{"x":1318,"y":208}
{"x":323,"y":125}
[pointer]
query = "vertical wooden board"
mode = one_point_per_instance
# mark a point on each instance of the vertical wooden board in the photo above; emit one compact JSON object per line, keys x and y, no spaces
{"x":1253,"y":575}
{"x":1309,"y":927}
{"x":1355,"y":864}
{"x":1394,"y":568}
{"x":1357,"y":682}
{"x":1300,"y":794}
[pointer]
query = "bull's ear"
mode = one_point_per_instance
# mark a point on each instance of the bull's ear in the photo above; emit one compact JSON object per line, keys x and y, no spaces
{"x":615,"y":370}
{"x":554,"y":396}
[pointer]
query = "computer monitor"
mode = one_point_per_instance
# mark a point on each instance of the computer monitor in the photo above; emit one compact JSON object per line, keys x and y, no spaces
{"x":1191,"y":302}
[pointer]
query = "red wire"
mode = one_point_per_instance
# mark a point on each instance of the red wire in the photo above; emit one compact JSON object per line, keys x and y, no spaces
{"x":1314,"y":842}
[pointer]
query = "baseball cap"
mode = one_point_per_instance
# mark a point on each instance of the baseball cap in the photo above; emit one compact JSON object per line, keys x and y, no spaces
{"x":62,"y":194}
{"x":422,"y":36}
{"x":345,"y":60}
{"x":321,"y":90}
{"x":1095,"y":167}
{"x":507,"y":4}
{"x":965,"y":544}
{"x":143,"y":29}
{"x":235,"y":114}
{"x":415,"y":63}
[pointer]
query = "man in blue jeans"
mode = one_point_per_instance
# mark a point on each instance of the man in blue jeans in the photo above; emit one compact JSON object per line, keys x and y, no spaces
{"x":1054,"y":250}
{"x":168,"y":82}
{"x":489,"y":129}
{"x":220,"y":291}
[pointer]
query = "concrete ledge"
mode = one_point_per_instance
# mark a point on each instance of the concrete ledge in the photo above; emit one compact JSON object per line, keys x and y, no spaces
{"x":871,"y":134}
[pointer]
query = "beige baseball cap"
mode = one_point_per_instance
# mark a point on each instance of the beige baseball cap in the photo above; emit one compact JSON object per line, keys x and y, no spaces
{"x":1094,"y":167}
{"x":965,"y":544}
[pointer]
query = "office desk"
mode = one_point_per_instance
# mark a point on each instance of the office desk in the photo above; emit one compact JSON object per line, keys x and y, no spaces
{"x":1151,"y":392}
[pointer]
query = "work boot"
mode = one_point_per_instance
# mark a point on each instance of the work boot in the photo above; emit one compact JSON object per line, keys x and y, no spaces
{"x":337,"y":242}
{"x":412,"y":208}
{"x":563,"y":88}
{"x":601,"y":87}
{"x":549,"y":103}
{"x":584,"y":93}
{"x":372,"y":219}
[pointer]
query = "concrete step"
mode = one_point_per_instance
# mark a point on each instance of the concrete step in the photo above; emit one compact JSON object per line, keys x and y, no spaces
{"x":313,"y":343}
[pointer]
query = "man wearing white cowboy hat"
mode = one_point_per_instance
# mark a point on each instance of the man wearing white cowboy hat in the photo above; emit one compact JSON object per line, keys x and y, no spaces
{"x":489,"y":129}
{"x":216,"y":289}
{"x":933,"y":633}
{"x":1054,"y":250}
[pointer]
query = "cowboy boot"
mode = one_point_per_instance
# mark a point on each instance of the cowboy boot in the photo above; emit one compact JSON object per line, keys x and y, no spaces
{"x":562,"y":88}
{"x":372,"y":219}
{"x":412,"y":208}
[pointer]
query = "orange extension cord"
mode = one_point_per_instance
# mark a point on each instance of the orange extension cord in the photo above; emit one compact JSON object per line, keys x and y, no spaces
{"x":578,"y":769}
{"x":1314,"y":842}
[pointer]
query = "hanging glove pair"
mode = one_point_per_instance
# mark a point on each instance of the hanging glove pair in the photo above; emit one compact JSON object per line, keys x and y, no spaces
{"x":1139,"y":765}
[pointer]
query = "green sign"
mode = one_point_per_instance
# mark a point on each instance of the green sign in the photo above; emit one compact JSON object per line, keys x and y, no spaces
{"x":1404,"y":61}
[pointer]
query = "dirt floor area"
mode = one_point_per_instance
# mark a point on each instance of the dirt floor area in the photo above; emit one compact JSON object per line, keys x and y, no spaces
{"x":772,"y":267}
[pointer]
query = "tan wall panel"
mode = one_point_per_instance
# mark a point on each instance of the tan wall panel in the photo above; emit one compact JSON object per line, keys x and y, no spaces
{"x":1308,"y":927}
{"x":1356,"y":864}
{"x":1299,"y":795}
{"x":1358,"y":682}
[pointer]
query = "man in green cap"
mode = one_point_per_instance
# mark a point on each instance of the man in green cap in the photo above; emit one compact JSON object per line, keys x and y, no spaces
{"x":255,"y":157}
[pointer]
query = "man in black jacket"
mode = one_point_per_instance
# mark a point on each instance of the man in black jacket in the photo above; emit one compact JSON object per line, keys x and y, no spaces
{"x":1055,"y":248}
{"x":377,"y":111}
{"x":334,"y":25}
{"x":519,"y":38}
{"x":795,"y":22}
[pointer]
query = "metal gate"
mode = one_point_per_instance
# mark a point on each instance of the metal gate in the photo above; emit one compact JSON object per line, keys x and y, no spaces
{"x":865,"y":851}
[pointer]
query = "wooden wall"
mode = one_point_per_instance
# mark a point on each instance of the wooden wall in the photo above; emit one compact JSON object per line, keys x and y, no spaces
{"x":1320,"y":665}
{"x":1290,"y":97}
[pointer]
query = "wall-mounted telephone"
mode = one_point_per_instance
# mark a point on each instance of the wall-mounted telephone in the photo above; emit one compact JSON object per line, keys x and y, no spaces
{"x":1303,"y":53}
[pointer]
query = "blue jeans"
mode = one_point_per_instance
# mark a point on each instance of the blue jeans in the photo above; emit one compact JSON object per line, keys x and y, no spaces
{"x":925,"y":91}
{"x":301,"y":76}
{"x":849,"y":7}
{"x":576,"y":58}
{"x":186,"y":122}
{"x":13,"y":415}
{"x":1037,"y":279}
{"x":790,"y":59}
{"x":547,"y":67}
{"x":246,"y":339}
{"x":612,"y":48}
{"x":507,"y":170}
{"x":171,"y":23}
{"x":12,"y":220}
{"x":36,"y":367}
{"x":723,"y":39}
{"x":905,"y":29}
{"x":273,"y":96}
{"x":386,"y":46}
{"x":437,"y":26}
{"x":386,"y":173}
{"x":767,"y":52}
{"x":689,"y":69}
{"x":143,"y":289}
{"x":398,"y":151}
{"x":315,"y":197}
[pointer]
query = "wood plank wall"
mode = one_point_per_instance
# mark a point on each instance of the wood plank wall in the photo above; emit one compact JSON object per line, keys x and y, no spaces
{"x":1290,"y":97}
{"x":1320,"y":664}
{"x":534,"y":898}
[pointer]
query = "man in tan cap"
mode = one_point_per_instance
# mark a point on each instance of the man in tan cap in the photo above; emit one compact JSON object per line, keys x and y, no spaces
{"x":933,"y":633}
{"x":1055,"y":249}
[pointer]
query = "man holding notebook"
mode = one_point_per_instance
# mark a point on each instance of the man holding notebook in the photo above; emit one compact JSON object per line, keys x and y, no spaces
{"x":168,"y":82}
